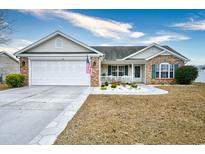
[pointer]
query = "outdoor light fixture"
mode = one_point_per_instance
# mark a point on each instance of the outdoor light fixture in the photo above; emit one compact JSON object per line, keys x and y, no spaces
{"x":23,"y":63}
{"x":94,"y":63}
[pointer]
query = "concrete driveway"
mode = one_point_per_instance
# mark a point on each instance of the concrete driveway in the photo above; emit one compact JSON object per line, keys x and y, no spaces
{"x":25,"y":112}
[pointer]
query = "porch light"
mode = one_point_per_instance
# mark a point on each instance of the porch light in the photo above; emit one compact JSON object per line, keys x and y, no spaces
{"x":94,"y":63}
{"x":23,"y":63}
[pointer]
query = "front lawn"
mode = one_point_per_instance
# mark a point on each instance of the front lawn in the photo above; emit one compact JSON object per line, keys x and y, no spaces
{"x":3,"y":86}
{"x":174,"y":118}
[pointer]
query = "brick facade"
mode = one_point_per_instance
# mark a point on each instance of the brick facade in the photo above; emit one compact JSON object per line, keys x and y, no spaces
{"x":24,"y":68}
{"x":95,"y":61}
{"x":95,"y":78}
{"x":158,"y":60}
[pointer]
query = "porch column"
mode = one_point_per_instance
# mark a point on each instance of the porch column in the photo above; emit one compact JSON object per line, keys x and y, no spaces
{"x":132,"y":72}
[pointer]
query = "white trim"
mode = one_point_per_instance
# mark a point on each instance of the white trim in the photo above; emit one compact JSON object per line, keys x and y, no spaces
{"x":145,"y":81}
{"x":29,"y":72}
{"x":132,"y":72}
{"x":53,"y":35}
{"x":9,"y":55}
{"x":138,"y":78}
{"x":99,"y":72}
{"x":58,"y":55}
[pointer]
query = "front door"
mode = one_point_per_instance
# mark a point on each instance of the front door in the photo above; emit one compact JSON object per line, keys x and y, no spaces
{"x":137,"y":73}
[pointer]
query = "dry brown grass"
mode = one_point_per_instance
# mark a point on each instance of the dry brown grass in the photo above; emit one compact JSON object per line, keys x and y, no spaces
{"x":175,"y":118}
{"x":3,"y":86}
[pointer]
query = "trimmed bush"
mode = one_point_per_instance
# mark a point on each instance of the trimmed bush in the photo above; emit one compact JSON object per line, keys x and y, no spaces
{"x":186,"y":74}
{"x":114,"y":85}
{"x":15,"y":80}
{"x":133,"y":85}
{"x":106,"y":83}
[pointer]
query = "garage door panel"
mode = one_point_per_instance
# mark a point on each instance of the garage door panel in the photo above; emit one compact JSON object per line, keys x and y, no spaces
{"x":59,"y":73}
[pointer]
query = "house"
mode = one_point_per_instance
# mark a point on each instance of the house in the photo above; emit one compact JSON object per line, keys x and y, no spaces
{"x":8,"y":64}
{"x":59,"y":59}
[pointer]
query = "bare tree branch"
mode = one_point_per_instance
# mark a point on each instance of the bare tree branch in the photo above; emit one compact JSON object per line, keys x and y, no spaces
{"x":5,"y":28}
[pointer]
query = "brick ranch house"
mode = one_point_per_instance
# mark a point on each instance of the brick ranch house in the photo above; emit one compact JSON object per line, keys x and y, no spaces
{"x":59,"y":59}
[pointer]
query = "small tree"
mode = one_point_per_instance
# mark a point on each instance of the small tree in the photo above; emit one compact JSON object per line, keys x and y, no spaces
{"x":186,"y":74}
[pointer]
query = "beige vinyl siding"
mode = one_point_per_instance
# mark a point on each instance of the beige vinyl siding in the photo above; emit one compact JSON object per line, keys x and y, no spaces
{"x":8,"y":65}
{"x":50,"y":46}
{"x":147,"y":53}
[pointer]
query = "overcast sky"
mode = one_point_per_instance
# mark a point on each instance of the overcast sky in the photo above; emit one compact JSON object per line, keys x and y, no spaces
{"x":183,"y":30}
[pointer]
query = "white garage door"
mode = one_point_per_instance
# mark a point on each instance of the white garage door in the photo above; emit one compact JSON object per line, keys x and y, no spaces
{"x":59,"y":73}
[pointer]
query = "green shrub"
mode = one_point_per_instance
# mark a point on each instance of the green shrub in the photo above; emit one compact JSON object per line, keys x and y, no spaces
{"x":133,"y":85}
{"x":106,"y":83}
{"x":102,"y":85}
{"x":186,"y":74}
{"x":117,"y":83}
{"x":114,"y":85}
{"x":103,"y":88}
{"x":15,"y":80}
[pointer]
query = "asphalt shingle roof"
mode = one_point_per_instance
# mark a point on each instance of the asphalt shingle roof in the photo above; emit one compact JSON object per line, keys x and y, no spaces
{"x":120,"y":52}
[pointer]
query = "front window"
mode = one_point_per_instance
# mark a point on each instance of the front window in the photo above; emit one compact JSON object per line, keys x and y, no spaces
{"x":114,"y":70}
{"x":121,"y":70}
{"x":164,"y":70}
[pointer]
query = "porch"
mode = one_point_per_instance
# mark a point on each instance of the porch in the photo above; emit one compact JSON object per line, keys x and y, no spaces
{"x":126,"y":73}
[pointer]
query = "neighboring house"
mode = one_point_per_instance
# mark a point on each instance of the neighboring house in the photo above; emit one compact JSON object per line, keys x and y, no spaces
{"x":59,"y":59}
{"x":8,"y":64}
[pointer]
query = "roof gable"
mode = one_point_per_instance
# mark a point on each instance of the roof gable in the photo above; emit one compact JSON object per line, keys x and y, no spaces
{"x":163,"y":48}
{"x":46,"y":45}
{"x":126,"y":52}
{"x":147,"y":53}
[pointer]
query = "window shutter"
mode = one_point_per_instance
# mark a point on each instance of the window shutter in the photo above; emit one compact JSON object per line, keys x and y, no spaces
{"x":109,"y":70}
{"x":126,"y":70}
{"x":153,"y":71}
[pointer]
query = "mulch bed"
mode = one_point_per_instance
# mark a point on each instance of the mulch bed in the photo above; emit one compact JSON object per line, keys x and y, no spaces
{"x":174,"y":118}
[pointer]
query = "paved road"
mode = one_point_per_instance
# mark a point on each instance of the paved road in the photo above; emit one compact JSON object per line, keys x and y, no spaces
{"x":25,"y":112}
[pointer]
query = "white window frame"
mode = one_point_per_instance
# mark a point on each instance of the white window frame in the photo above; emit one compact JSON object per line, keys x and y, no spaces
{"x":160,"y":72}
{"x":121,"y":71}
{"x":169,"y":67}
{"x":115,"y":70}
{"x":56,"y":43}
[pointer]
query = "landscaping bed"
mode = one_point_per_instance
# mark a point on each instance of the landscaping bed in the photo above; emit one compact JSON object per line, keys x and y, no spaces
{"x":127,"y":89}
{"x":175,"y":118}
{"x":3,"y":87}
